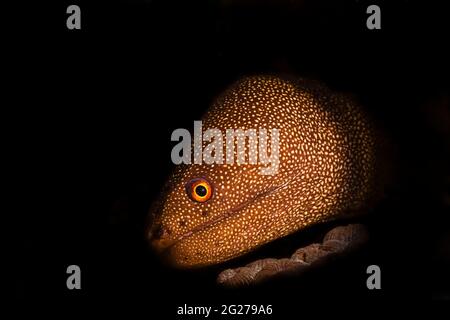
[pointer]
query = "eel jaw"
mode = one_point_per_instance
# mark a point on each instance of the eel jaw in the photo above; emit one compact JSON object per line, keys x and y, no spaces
{"x":164,"y":244}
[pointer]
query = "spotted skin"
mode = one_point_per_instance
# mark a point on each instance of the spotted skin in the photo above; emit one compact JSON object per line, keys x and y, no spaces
{"x":326,"y":170}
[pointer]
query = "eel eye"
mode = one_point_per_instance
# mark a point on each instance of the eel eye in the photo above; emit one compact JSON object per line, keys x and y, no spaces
{"x":199,"y":190}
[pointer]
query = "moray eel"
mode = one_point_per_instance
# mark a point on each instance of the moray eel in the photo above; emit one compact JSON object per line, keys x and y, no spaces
{"x":327,"y":170}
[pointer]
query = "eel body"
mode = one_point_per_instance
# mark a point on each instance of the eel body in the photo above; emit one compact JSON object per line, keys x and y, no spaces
{"x":327,"y":169}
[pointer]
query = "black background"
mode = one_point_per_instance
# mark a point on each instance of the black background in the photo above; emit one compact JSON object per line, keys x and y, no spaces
{"x":93,"y":109}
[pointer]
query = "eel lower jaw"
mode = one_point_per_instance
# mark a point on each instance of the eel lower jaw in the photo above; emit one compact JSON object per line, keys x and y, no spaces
{"x":163,"y":243}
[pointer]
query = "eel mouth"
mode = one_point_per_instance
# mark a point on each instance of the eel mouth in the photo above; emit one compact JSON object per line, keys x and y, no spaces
{"x":160,"y":239}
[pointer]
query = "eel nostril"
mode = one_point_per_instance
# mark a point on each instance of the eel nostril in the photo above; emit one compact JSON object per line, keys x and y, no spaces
{"x":161,"y":233}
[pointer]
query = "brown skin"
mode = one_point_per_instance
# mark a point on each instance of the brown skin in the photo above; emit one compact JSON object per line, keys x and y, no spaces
{"x":327,"y":170}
